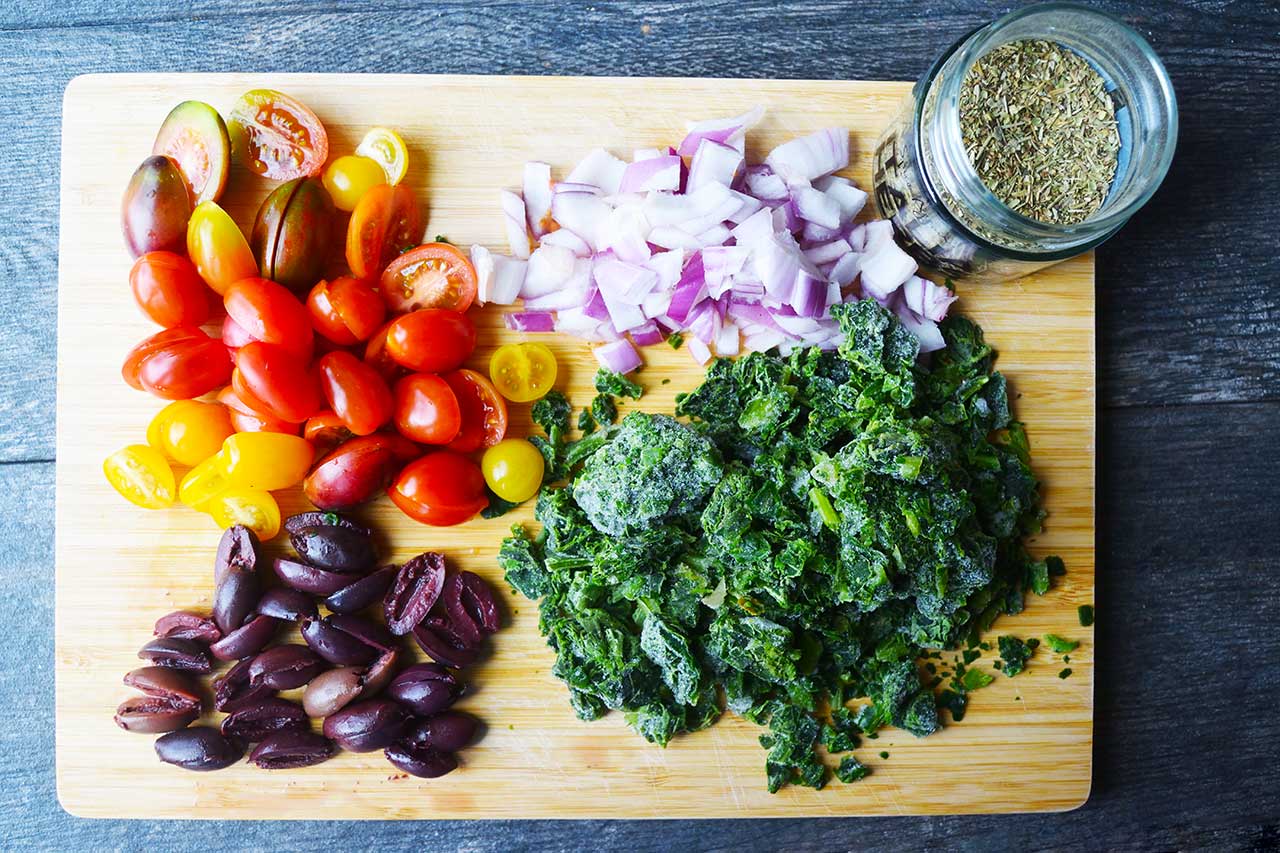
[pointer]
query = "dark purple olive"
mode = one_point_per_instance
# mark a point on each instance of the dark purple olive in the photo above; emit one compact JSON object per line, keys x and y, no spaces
{"x":172,"y":701}
{"x":329,"y":692}
{"x":335,"y":645}
{"x":285,"y":667}
{"x":447,"y":732}
{"x":380,"y":672}
{"x":287,"y":750}
{"x":199,"y":748}
{"x":366,"y":726}
{"x":156,"y":208}
{"x":338,"y":549}
{"x":365,"y":630}
{"x":414,"y":592}
{"x":358,"y":595}
{"x":466,"y":595}
{"x":239,"y":549}
{"x":254,"y":722}
{"x":177,"y":654}
{"x":295,"y":523}
{"x":185,"y":625}
{"x":309,"y":579}
{"x":439,"y":639}
{"x":420,"y":760}
{"x":425,"y":688}
{"x":232,"y":690}
{"x":234,"y":598}
{"x":288,"y":604}
{"x":249,"y":639}
{"x":169,"y":683}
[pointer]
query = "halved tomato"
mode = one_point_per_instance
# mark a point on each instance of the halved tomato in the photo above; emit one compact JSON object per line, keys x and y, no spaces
{"x":195,"y":136}
{"x":326,"y":431}
{"x":245,"y":418}
{"x":434,"y":275}
{"x":277,"y":136}
{"x":484,"y":412}
{"x":346,"y":310}
{"x":387,"y":221}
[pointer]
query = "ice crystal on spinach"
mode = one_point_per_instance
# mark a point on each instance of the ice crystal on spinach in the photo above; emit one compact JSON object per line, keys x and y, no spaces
{"x":823,"y":522}
{"x":608,"y":382}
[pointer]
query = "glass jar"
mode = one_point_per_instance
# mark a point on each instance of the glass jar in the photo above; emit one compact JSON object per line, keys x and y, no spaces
{"x":941,"y":211}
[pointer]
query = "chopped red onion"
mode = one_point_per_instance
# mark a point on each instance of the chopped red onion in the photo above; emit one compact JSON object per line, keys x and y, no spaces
{"x":813,"y":205}
{"x":482,"y":260}
{"x":877,"y":233}
{"x":857,"y":238}
{"x":646,"y":154}
{"x":537,"y":197}
{"x":766,"y":185}
{"x":727,"y":342}
{"x":600,"y":168}
{"x":647,"y":335}
{"x":668,"y":266}
{"x":720,"y":264}
{"x":811,"y":156}
{"x":571,"y":187}
{"x":809,"y":294}
{"x":714,"y":163}
{"x":517,"y":227}
{"x":846,"y":269}
{"x":624,"y":232}
{"x":689,"y":291}
{"x":581,"y":213}
{"x":885,"y":268}
{"x":530,"y":321}
{"x":569,"y":240}
{"x":594,"y":306}
{"x":825,"y":253}
{"x":749,"y":206}
{"x":844,"y":194}
{"x":619,"y":356}
{"x":699,"y":351}
{"x":656,"y":304}
{"x":926,"y":298}
{"x":550,"y":269}
{"x":815,"y":233}
{"x":714,"y":236}
{"x":722,"y":130}
{"x":656,"y":173}
{"x":671,"y":237}
{"x":925,"y":330}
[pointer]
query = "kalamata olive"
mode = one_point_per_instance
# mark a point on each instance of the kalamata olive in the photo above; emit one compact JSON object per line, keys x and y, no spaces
{"x":185,"y":625}
{"x":295,"y":523}
{"x":358,"y":470}
{"x":425,"y":688}
{"x":365,"y":630}
{"x":335,"y":645}
{"x":155,"y":715}
{"x":380,"y":672}
{"x":156,"y":208}
{"x":330,"y":691}
{"x":438,"y":639}
{"x":254,"y":722}
{"x":234,"y":598}
{"x":232,"y":690}
{"x":293,"y":230}
{"x":176,"y":654}
{"x":285,"y":667}
{"x":309,"y":579}
{"x":420,"y":760}
{"x":366,"y":726}
{"x":362,"y":593}
{"x":467,"y":595}
{"x":199,"y":748}
{"x":249,"y":639}
{"x":288,"y":604}
{"x":338,"y":549}
{"x":169,"y":683}
{"x":238,"y":548}
{"x":414,"y":592}
{"x":446,"y":732}
{"x":286,"y":750}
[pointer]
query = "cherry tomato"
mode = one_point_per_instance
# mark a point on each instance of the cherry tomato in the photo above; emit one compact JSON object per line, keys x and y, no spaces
{"x":359,"y":470}
{"x":325,"y":431}
{"x":484,"y":413}
{"x":156,"y":209}
{"x":356,"y":392}
{"x":432,"y":340}
{"x":267,"y":311}
{"x":513,"y":469}
{"x":266,"y":460}
{"x":218,"y":248}
{"x":377,"y":356}
{"x":234,"y":335}
{"x":277,"y":136}
{"x":441,"y":489}
{"x":188,"y":431}
{"x":254,"y":508}
{"x":385,"y":222}
{"x":245,"y":419}
{"x":346,"y":310}
{"x":141,"y":475}
{"x":169,"y":290}
{"x":523,"y":372}
{"x":271,"y":380}
{"x":203,"y":482}
{"x":434,"y":275}
{"x":348,"y":178}
{"x":426,"y":409}
{"x":177,"y":364}
{"x":195,"y":136}
{"x":387,"y":149}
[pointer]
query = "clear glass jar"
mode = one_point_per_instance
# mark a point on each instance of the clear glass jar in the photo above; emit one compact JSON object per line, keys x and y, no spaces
{"x":941,"y":211}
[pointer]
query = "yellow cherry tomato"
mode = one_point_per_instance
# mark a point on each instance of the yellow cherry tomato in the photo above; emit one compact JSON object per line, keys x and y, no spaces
{"x":513,"y":469}
{"x":188,"y":431}
{"x":523,"y":372}
{"x":218,"y":248}
{"x":254,"y":508}
{"x":348,"y":178}
{"x":385,"y":147}
{"x":141,"y":475}
{"x":204,"y":482}
{"x":266,"y":460}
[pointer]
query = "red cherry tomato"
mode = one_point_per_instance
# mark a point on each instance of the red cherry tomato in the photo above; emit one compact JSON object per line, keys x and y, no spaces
{"x":271,"y":380}
{"x":377,"y":357}
{"x":484,"y":412}
{"x":426,"y":409}
{"x":434,"y":275}
{"x":358,"y":470}
{"x":277,"y":136}
{"x":356,"y":392}
{"x":177,"y":364}
{"x":267,"y":311}
{"x":245,"y":419}
{"x":169,"y":290}
{"x":386,"y":221}
{"x":432,"y":340}
{"x":325,"y":431}
{"x":441,"y":488}
{"x":345,"y":311}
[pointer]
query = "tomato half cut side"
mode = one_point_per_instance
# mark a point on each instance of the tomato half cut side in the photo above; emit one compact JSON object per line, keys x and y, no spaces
{"x":195,"y":136}
{"x":434,"y":275}
{"x":386,"y":221}
{"x":484,"y":412}
{"x":277,"y":136}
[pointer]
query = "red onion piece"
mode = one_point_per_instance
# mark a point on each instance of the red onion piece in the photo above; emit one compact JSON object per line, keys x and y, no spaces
{"x":619,"y":356}
{"x":530,"y":321}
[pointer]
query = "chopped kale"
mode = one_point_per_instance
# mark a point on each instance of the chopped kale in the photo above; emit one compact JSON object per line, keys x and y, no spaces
{"x":604,"y":409}
{"x":497,"y":507}
{"x":1015,"y":653}
{"x":884,"y":754}
{"x":1085,"y":612}
{"x":675,"y":339}
{"x":1060,"y":645}
{"x":974,"y":679}
{"x":1066,"y":673}
{"x":608,"y":382}
{"x":851,"y":770}
{"x":552,"y":413}
{"x":841,"y":734}
{"x":586,"y":422}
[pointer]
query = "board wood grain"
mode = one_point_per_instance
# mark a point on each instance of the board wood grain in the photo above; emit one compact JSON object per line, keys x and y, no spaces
{"x":1025,"y":744}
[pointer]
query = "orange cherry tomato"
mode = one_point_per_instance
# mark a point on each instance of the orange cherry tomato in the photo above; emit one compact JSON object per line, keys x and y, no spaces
{"x":177,"y":364}
{"x":434,"y":275}
{"x":484,"y":412}
{"x":325,"y":431}
{"x":169,"y":290}
{"x":277,"y":136}
{"x":269,"y":312}
{"x":385,"y":222}
{"x":426,"y":409}
{"x":345,"y":311}
{"x":432,"y":340}
{"x":189,"y":431}
{"x":270,"y":379}
{"x":356,"y":392}
{"x":441,"y":489}
{"x":358,"y":470}
{"x":266,"y":460}
{"x":217,"y":247}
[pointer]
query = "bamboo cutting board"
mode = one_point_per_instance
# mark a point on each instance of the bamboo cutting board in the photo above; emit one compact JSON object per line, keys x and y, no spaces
{"x":1025,"y":744}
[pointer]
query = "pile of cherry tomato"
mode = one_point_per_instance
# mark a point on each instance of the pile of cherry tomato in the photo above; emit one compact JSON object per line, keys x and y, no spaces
{"x":334,"y":372}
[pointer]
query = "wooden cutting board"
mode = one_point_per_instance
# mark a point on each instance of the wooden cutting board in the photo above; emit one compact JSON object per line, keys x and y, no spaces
{"x":1026,"y":742}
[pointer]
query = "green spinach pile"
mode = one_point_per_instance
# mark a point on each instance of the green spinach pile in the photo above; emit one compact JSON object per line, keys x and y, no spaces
{"x":823,"y":522}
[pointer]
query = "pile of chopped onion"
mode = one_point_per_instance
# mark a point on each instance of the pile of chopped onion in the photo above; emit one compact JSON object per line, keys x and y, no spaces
{"x":693,"y":239}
